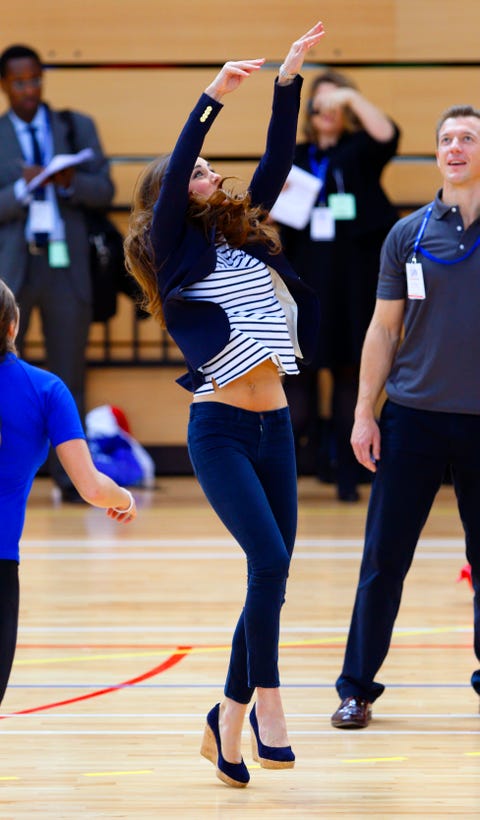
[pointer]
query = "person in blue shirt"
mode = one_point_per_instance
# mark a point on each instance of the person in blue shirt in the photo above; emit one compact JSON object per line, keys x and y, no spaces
{"x":36,"y":410}
{"x":212,"y":270}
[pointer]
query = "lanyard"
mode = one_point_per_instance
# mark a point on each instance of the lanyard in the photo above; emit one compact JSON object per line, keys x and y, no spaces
{"x":319,"y":169}
{"x":427,"y":254}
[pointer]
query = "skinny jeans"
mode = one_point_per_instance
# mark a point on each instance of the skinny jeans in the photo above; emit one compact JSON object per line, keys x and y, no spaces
{"x":417,"y":447}
{"x":245,"y":464}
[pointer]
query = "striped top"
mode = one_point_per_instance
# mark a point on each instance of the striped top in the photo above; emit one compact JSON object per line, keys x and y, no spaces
{"x":243,"y":286}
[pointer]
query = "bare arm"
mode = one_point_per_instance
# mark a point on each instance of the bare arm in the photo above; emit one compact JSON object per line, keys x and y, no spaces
{"x":95,"y":487}
{"x":380,"y":346}
{"x":372,"y":118}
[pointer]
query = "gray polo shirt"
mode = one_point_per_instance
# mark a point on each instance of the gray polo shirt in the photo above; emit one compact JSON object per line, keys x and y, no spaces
{"x":437,"y":366}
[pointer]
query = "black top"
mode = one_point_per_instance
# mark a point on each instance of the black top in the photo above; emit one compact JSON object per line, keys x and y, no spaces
{"x":344,"y":272}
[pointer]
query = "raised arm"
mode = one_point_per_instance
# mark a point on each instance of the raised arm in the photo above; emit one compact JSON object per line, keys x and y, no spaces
{"x":381,"y":343}
{"x":274,"y":167}
{"x":293,"y":62}
{"x":171,"y":206}
{"x":373,"y":120}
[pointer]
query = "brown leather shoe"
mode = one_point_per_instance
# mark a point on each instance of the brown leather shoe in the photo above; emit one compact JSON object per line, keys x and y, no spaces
{"x":353,"y":713}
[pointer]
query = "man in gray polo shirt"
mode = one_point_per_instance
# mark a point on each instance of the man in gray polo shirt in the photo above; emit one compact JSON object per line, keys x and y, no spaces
{"x":429,"y":286}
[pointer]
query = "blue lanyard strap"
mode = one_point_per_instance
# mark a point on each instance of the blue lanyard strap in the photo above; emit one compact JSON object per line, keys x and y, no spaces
{"x":450,"y":261}
{"x":427,"y":254}
{"x":319,"y":169}
{"x":421,"y":231}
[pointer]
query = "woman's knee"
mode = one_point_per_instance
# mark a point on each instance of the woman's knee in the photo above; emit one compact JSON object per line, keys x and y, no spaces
{"x":271,"y":573}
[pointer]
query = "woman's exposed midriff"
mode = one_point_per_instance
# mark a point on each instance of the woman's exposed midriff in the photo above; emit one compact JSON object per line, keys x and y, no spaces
{"x":258,"y":390}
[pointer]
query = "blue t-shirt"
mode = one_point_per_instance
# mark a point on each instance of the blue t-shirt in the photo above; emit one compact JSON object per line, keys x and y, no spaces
{"x":36,"y":409}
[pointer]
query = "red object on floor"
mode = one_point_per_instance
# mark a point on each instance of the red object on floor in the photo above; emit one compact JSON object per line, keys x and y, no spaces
{"x":466,"y":574}
{"x":121,"y":419}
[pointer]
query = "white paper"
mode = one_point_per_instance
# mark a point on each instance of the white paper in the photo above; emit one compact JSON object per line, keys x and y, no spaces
{"x":322,"y":224}
{"x":294,"y":205}
{"x":41,"y":216}
{"x":59,"y":163}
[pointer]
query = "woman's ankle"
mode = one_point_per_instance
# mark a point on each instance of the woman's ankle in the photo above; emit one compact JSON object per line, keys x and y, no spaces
{"x":231,"y":719}
{"x":272,"y":725}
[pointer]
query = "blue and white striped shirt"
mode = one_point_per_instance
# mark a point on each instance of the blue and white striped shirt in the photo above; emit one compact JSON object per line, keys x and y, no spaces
{"x":243,"y":286}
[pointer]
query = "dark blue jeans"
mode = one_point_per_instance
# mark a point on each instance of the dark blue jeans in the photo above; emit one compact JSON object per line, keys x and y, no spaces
{"x":417,"y":447}
{"x":245,"y":463}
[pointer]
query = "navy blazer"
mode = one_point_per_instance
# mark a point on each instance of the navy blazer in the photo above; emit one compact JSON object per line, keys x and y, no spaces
{"x":184,"y":254}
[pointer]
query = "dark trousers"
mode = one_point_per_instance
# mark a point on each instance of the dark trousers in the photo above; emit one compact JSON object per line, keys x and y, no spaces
{"x":245,"y":463}
{"x":65,"y":325}
{"x":416,"y":449}
{"x":9,"y":600}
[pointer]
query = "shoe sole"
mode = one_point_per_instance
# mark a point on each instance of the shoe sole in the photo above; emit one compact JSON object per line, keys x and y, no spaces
{"x":265,"y":762}
{"x":349,"y":725}
{"x":208,"y":750}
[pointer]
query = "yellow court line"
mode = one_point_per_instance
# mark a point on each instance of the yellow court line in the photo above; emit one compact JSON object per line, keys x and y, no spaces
{"x":116,"y":774}
{"x":472,"y":754}
{"x":375,"y":760}
{"x":438,"y":630}
{"x":122,"y":656}
{"x":8,"y":777}
{"x":202,"y":650}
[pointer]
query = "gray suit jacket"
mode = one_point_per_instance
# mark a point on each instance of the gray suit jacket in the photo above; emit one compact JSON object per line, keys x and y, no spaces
{"x":92,"y":186}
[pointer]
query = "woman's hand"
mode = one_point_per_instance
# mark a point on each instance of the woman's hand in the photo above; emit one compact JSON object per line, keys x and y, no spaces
{"x":235,"y":72}
{"x":336,"y":98}
{"x":231,"y":76}
{"x":293,"y":62}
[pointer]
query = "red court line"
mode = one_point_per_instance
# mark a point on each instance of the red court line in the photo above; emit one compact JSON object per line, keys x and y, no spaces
{"x":157,"y":670}
{"x":96,"y":645}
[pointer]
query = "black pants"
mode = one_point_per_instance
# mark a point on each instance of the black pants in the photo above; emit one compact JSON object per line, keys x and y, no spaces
{"x":416,"y":448}
{"x":9,"y":600}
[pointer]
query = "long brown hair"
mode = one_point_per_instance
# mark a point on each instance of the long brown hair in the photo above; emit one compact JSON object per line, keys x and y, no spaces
{"x":231,"y":214}
{"x":8,"y":314}
{"x":137,"y":245}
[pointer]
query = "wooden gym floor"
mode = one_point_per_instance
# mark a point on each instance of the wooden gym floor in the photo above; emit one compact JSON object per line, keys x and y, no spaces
{"x":123,"y":647}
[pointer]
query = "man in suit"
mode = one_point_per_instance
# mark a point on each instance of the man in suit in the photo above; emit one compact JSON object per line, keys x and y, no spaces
{"x":44,"y":249}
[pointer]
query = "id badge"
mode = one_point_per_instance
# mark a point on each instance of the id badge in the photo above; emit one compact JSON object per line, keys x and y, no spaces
{"x":343,"y":206}
{"x":322,"y":224}
{"x":41,"y":216}
{"x":58,"y":256}
{"x":415,"y":283}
